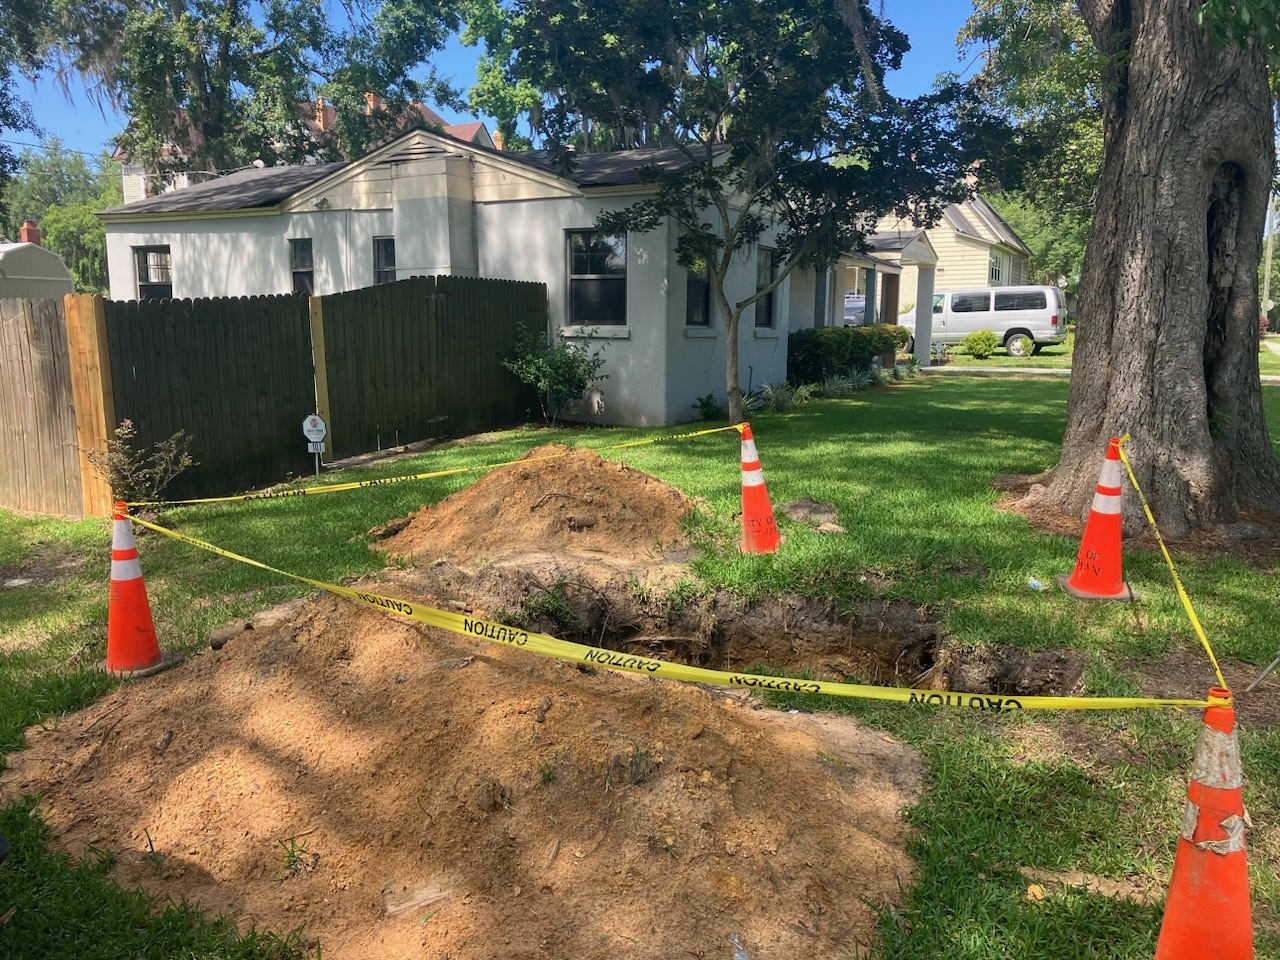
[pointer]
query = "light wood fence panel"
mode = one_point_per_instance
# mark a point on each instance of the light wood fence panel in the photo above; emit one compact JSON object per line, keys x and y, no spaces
{"x":39,"y":460}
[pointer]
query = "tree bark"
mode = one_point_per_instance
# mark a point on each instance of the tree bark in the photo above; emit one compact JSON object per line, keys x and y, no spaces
{"x":1167,"y":341}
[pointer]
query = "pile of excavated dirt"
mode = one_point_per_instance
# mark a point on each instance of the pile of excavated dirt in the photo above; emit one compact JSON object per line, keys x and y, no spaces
{"x":558,"y":502}
{"x":399,"y":791}
{"x":405,"y":792}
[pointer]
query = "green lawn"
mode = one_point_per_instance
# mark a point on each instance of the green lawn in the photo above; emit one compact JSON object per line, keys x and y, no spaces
{"x":1269,"y":361}
{"x":909,"y":469}
{"x":1055,"y":356}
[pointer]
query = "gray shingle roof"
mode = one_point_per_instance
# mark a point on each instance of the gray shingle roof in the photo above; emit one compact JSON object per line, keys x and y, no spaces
{"x":268,"y":187}
{"x":244,"y":190}
{"x":619,"y":168}
{"x":894,"y":241}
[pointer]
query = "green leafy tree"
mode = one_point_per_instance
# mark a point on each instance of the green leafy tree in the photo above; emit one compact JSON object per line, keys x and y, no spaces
{"x":215,"y":84}
{"x":61,"y":190}
{"x":497,"y":92}
{"x":20,"y":23}
{"x":760,"y":98}
{"x":1042,"y":71}
{"x":1166,"y":347}
{"x":1057,"y":244}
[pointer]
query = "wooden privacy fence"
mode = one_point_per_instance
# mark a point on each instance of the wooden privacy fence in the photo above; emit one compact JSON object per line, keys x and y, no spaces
{"x":39,"y":460}
{"x":385,"y":366}
{"x":234,"y":373}
{"x":420,"y":358}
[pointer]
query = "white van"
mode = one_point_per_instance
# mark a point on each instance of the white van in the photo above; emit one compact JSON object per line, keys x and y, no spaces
{"x":1024,"y":318}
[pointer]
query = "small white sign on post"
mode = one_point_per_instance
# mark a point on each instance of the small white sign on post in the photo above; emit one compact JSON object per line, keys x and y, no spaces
{"x":315,"y":430}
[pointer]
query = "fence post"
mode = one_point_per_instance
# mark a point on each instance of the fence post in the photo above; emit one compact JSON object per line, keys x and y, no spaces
{"x":91,"y":394}
{"x":316,"y":308}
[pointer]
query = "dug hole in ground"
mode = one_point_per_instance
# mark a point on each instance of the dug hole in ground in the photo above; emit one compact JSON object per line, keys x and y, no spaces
{"x":401,"y":791}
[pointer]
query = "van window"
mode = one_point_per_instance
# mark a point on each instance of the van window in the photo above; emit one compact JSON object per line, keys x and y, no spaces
{"x":937,"y":304}
{"x":1027,"y":300}
{"x":970,"y":302}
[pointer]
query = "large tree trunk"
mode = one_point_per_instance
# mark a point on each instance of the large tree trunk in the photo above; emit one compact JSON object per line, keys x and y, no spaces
{"x":1167,"y":342}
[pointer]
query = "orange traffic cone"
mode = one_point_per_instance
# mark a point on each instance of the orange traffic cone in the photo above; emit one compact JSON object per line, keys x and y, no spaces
{"x":132,"y":648}
{"x":1098,"y":574}
{"x":1207,"y":912}
{"x":759,"y":529}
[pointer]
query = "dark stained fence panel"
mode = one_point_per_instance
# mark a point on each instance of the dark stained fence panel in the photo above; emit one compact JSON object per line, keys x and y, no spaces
{"x":234,"y":373}
{"x":39,"y":458}
{"x":421,"y":358}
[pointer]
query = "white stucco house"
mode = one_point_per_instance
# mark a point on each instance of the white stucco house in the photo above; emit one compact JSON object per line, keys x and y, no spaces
{"x":427,"y":203}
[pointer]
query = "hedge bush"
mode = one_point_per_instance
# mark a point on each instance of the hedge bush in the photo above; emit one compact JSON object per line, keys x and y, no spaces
{"x":980,"y":344}
{"x":815,"y":355}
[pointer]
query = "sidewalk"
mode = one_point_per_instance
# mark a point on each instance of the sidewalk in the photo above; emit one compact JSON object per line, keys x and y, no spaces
{"x":957,"y":371}
{"x":1059,"y":372}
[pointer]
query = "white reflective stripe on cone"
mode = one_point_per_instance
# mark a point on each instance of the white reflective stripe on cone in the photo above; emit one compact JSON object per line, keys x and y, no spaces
{"x":1233,"y":827}
{"x":126,"y":569}
{"x":753,"y":478}
{"x":749,"y":454}
{"x":1105,"y":503}
{"x":122,"y":535}
{"x":1111,"y":475}
{"x":1217,"y":763}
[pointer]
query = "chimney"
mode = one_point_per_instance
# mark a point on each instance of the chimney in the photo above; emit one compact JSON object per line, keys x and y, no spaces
{"x":325,"y":115}
{"x":29,"y":233}
{"x":372,"y":103}
{"x":497,"y":139}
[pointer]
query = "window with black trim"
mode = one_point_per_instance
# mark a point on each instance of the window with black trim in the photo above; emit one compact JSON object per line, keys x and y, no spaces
{"x":384,"y":259}
{"x":970,"y":302}
{"x":302,"y":266}
{"x":766,"y":270}
{"x":155,"y":273}
{"x":597,"y":279}
{"x":697,"y":304}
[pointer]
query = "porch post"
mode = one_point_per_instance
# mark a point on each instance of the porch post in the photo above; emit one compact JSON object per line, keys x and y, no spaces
{"x":924,"y":312}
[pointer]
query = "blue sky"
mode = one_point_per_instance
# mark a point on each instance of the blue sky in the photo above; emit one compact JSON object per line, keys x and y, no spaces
{"x":931,"y":25}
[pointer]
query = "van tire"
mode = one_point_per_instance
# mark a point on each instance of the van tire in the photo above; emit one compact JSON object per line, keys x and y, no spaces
{"x":1019,"y":344}
{"x":911,"y":345}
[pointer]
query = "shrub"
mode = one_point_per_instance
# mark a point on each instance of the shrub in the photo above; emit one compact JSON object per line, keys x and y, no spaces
{"x":559,"y":370}
{"x":1263,"y":324}
{"x":777,"y":396}
{"x":136,"y":475}
{"x":980,"y":344}
{"x":861,"y":379}
{"x":836,"y":386}
{"x":709,"y":408}
{"x":814,"y":355}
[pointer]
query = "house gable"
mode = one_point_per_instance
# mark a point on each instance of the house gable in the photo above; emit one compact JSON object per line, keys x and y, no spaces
{"x":421,"y":164}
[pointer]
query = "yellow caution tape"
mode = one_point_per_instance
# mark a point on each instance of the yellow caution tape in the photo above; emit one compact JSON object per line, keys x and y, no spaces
{"x":1177,"y":582}
{"x":360,"y":484}
{"x":613,"y":660}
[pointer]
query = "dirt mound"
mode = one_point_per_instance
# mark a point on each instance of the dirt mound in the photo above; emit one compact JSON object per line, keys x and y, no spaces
{"x":400,"y":791}
{"x":404,"y":792}
{"x":555,"y":500}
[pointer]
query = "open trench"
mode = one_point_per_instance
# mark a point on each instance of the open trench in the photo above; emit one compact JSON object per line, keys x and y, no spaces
{"x":887,"y":643}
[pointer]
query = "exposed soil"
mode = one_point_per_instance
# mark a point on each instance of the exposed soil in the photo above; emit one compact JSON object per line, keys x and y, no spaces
{"x":400,"y":791}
